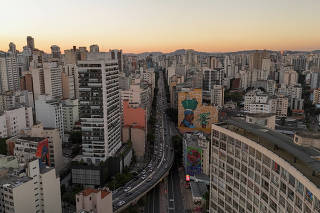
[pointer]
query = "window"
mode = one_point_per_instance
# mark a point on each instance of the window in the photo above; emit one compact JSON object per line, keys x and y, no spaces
{"x":282,"y":201}
{"x":291,"y":180}
{"x":258,"y":155}
{"x":298,"y":203}
{"x":308,"y":196}
{"x":264,"y":197}
{"x":284,"y":174}
{"x":290,"y":194}
{"x":283,"y":187}
{"x":265,"y":185}
{"x":275,"y":167}
{"x":299,"y":187}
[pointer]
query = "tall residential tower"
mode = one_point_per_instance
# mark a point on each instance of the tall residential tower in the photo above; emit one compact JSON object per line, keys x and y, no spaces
{"x":99,"y":107}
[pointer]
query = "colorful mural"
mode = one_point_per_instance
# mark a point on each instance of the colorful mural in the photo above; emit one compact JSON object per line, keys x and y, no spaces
{"x":193,"y":161}
{"x":192,"y":114}
{"x":189,"y":106}
{"x":43,"y":153}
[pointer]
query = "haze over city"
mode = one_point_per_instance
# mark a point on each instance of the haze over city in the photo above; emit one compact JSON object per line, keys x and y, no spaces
{"x":142,"y":25}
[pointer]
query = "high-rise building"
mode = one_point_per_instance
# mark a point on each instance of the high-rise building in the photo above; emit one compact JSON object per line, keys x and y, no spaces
{"x":12,"y":48}
{"x":255,"y":169}
{"x":70,"y":109}
{"x":49,"y":112}
{"x":94,"y":48}
{"x":54,"y":143}
{"x":30,"y":42}
{"x":55,"y":51}
{"x":99,"y":107}
{"x":217,"y":95}
{"x":30,"y":189}
{"x":26,"y":82}
{"x":9,"y":72}
{"x":316,"y":96}
{"x":14,"y":120}
{"x":52,"y":79}
{"x":38,"y":82}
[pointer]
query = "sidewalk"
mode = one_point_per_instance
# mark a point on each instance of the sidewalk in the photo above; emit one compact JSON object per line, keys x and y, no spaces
{"x":163,"y":196}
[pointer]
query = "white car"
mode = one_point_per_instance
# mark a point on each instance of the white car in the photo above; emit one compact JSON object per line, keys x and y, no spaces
{"x":120,"y":203}
{"x":143,"y":177}
{"x":127,"y":189}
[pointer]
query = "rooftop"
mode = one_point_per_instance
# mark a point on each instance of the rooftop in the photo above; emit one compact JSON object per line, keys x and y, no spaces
{"x":260,"y":115}
{"x":11,"y":181}
{"x":309,"y":134}
{"x":89,"y":191}
{"x":198,"y":189}
{"x":304,"y":159}
{"x":32,"y":139}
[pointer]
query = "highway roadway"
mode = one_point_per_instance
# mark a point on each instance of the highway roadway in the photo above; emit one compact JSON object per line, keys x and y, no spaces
{"x":160,"y":163}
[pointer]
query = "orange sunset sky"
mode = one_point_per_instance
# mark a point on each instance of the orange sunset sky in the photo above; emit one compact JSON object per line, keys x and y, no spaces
{"x":166,"y":25}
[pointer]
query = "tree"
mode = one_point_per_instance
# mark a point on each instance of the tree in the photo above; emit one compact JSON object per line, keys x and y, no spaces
{"x":3,"y":146}
{"x":76,"y":137}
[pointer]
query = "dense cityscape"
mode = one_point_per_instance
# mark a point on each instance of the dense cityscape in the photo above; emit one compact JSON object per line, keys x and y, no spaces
{"x":178,"y":106}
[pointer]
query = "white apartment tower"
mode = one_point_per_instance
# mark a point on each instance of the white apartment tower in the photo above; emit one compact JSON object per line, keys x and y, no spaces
{"x":9,"y":72}
{"x":52,"y":79}
{"x":99,"y":107}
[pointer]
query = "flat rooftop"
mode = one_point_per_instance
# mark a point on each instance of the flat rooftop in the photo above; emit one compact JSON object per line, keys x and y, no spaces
{"x":12,"y":181}
{"x":32,"y":139}
{"x":304,"y":159}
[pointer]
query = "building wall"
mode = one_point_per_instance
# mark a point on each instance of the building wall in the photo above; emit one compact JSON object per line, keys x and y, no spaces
{"x":265,"y":170}
{"x":55,"y":144}
{"x":49,"y":113}
{"x":22,"y":200}
{"x":210,"y":113}
{"x":138,"y":138}
{"x":268,"y":122}
{"x":3,"y":126}
{"x":51,"y":192}
{"x":307,"y":141}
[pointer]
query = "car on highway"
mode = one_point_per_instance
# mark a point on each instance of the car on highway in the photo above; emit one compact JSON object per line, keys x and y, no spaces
{"x":143,"y":177}
{"x":121,"y":202}
{"x":127,"y":189}
{"x":149,"y":179}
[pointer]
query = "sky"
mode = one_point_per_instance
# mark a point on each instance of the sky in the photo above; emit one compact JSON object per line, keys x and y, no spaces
{"x":162,"y":25}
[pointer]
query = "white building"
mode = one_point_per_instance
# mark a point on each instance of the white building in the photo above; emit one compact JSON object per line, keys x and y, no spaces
{"x":255,"y":169}
{"x":70,"y":113}
{"x":49,"y":112}
{"x":52,"y":79}
{"x":99,"y":107}
{"x":35,"y":189}
{"x":217,"y":95}
{"x":15,"y":120}
{"x":9,"y":72}
{"x":55,"y":144}
{"x":94,"y":200}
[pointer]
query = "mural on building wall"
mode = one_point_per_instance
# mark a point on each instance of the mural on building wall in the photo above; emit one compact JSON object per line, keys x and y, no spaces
{"x":204,"y":119}
{"x":43,"y":153}
{"x":192,"y":114}
{"x":189,"y":107}
{"x":193,"y":161}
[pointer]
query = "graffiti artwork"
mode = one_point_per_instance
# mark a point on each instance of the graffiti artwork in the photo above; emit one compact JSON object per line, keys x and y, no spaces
{"x":189,"y":106}
{"x":43,"y":153}
{"x":193,"y":161}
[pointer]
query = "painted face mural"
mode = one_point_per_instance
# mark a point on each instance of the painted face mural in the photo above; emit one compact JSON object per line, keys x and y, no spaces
{"x":189,"y":106}
{"x":193,"y":161}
